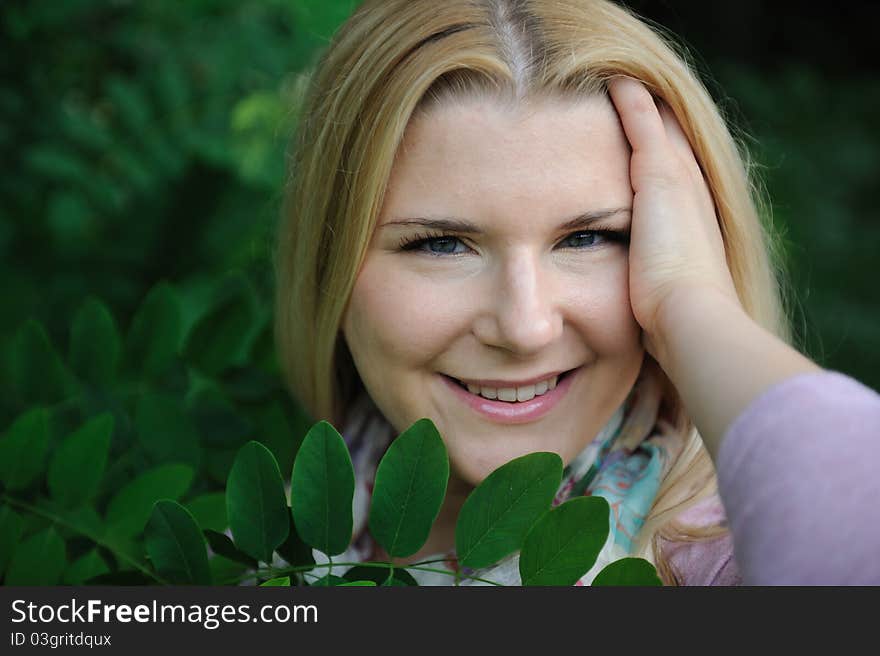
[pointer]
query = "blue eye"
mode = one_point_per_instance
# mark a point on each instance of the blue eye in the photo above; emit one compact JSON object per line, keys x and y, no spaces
{"x":439,"y":245}
{"x":590,"y":238}
{"x":445,"y":245}
{"x":580,"y":239}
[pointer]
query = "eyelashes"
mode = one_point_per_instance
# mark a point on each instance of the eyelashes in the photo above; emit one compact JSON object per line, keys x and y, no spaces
{"x":448,"y":243}
{"x":418,"y":241}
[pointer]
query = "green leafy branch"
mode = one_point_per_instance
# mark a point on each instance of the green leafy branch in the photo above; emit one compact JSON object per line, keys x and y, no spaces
{"x":509,"y":512}
{"x":157,"y":457}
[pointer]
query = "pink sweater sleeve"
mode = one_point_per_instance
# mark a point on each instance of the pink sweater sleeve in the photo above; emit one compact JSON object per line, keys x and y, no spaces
{"x":799,"y":477}
{"x":704,"y":562}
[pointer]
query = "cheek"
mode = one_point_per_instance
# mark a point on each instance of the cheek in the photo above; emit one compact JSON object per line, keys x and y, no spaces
{"x":397,"y":317}
{"x":604,"y":312}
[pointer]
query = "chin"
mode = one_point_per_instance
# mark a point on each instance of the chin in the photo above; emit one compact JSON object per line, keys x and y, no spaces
{"x":475,"y":471}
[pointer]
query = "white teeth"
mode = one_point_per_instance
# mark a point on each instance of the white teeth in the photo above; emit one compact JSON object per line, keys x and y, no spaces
{"x":514,"y":394}
{"x":507,"y":394}
{"x":526,"y":393}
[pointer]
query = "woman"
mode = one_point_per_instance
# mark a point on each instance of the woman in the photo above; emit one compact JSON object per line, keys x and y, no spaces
{"x":491,"y":222}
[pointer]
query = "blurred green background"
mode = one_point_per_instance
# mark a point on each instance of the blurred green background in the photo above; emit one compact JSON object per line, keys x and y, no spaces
{"x":144,"y":141}
{"x":143,"y":152}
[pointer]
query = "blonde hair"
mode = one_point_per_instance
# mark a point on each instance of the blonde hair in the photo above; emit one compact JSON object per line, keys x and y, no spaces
{"x":395,"y":58}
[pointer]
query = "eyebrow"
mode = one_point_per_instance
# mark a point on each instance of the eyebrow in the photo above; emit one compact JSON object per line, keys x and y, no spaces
{"x":464,"y":226}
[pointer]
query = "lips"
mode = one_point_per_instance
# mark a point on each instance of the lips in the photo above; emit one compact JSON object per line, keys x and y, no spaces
{"x":500,"y":384}
{"x":518,"y":412}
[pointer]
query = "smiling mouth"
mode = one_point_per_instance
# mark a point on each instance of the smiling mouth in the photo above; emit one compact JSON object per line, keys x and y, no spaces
{"x":514,"y":395}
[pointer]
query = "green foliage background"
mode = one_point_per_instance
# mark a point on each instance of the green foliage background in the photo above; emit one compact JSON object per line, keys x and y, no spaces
{"x":143,"y":143}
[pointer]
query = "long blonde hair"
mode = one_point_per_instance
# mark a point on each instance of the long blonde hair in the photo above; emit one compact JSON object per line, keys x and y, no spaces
{"x":395,"y":58}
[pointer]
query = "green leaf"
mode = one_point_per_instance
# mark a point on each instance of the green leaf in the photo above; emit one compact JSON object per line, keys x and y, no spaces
{"x":95,"y":345}
{"x":255,"y":502}
{"x":10,"y":530}
{"x":221,"y":544}
{"x":166,"y":431}
{"x":563,"y":544}
{"x":39,"y":560}
{"x":263,"y":353}
{"x":628,"y":571}
{"x":83,"y":129}
{"x":153,"y":340}
{"x":84,"y":520}
{"x":328,"y":580}
{"x":38,"y":373}
{"x":23,"y":449}
{"x":294,"y":550}
{"x":76,"y":469}
{"x":129,"y":102}
{"x":365,"y":584}
{"x":126,"y":551}
{"x":496,"y":516}
{"x":75,"y":522}
{"x":126,"y":577}
{"x":218,"y":464}
{"x":210,"y":511}
{"x":379,"y":576}
{"x":176,"y":546}
{"x":274,"y":430}
{"x":54,"y":163}
{"x":219,"y":423}
{"x":131,"y":507}
{"x":225,"y":571}
{"x":322,"y":490}
{"x":409,"y":489}
{"x":220,"y":338}
{"x":249,"y":384}
{"x":175,"y":380}
{"x":86,"y":567}
{"x":281,"y":581}
{"x":71,"y":223}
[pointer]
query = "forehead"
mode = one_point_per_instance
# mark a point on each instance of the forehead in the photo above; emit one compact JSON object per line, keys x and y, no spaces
{"x":480,"y":152}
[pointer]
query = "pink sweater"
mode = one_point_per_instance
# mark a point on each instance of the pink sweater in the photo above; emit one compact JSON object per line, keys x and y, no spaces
{"x":798,"y":479}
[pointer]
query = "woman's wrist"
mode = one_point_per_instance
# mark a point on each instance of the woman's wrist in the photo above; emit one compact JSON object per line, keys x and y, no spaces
{"x":679,"y":315}
{"x":718,"y":358}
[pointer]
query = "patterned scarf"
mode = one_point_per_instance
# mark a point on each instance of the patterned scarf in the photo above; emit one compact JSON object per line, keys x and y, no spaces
{"x":625,"y":463}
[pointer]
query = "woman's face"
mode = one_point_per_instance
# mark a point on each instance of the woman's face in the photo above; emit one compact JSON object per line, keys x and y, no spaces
{"x":486,"y":268}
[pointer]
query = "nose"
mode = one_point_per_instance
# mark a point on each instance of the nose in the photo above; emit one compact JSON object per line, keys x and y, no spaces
{"x":521,"y":312}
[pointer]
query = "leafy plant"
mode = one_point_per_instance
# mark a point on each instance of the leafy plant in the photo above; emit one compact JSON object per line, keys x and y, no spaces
{"x":164,"y":461}
{"x":509,"y":511}
{"x":128,"y":418}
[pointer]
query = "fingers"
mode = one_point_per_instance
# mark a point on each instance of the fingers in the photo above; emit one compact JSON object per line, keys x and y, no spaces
{"x":653,"y":131}
{"x":639,"y":116}
{"x":679,"y":141}
{"x":674,"y":132}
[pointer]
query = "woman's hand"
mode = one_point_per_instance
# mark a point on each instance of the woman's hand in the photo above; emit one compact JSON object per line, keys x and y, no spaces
{"x":681,"y":290}
{"x":675,"y":242}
